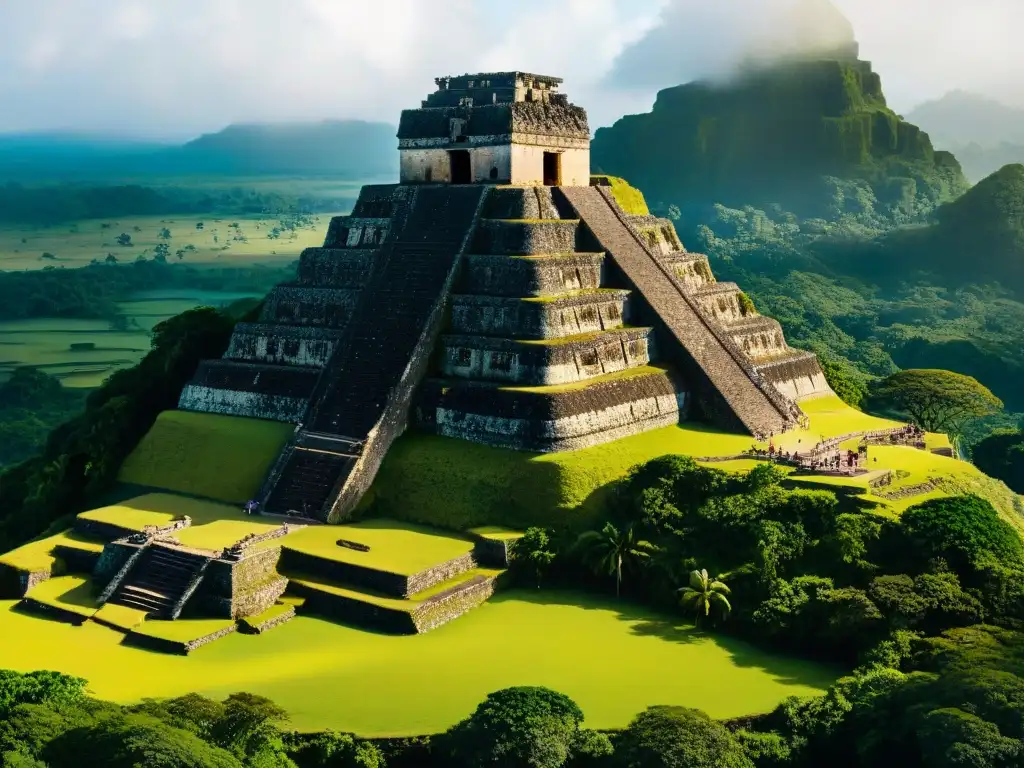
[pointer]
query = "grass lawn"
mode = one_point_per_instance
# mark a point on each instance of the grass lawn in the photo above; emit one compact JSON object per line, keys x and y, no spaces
{"x":76,"y":244}
{"x":331,"y":676}
{"x":121,"y":616}
{"x":394,"y":547}
{"x":220,"y":457}
{"x":145,"y":309}
{"x":71,"y":593}
{"x":214,"y":526}
{"x":39,"y":555}
{"x":182,"y":630}
{"x":495,"y":533}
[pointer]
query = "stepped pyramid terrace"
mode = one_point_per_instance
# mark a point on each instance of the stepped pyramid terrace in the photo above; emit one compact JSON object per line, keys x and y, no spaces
{"x":486,"y":345}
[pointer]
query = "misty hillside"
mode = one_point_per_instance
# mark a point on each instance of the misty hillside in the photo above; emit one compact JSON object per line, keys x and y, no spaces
{"x":814,"y":136}
{"x":984,"y":134}
{"x":346,"y":148}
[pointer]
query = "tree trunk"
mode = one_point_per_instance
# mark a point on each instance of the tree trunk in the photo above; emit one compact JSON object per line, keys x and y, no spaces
{"x":618,"y":577}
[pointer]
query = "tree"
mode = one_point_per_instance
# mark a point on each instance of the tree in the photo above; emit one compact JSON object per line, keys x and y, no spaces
{"x":952,"y":738}
{"x":248,"y":726}
{"x":609,"y":549}
{"x":124,"y":240}
{"x":962,"y":530}
{"x":199,"y":225}
{"x":850,"y":388}
{"x":703,"y":592}
{"x":165,"y":234}
{"x":936,"y":400}
{"x":1001,"y":455}
{"x":135,"y":740}
{"x":522,"y":726}
{"x":533,"y":551}
{"x":329,"y":749}
{"x":677,"y":737}
{"x":111,"y":259}
{"x":160,"y":252}
{"x":42,"y":687}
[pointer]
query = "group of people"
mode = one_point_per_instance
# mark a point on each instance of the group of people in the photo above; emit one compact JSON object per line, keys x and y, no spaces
{"x":911,"y":434}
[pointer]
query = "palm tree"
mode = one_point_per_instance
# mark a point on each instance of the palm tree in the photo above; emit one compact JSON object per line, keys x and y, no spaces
{"x":610,"y":549}
{"x":704,"y":592}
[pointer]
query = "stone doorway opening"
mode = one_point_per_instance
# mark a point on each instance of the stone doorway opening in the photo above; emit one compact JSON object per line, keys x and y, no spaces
{"x":552,"y":169}
{"x":461,"y":170}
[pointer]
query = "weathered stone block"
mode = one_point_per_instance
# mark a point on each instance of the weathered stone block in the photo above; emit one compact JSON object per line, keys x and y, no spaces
{"x":491,"y":275}
{"x":291,"y":345}
{"x":494,"y":236}
{"x":569,"y":315}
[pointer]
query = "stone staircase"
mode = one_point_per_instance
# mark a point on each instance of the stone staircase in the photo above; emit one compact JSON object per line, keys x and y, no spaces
{"x":159,"y":580}
{"x":725,"y":380}
{"x":364,"y":393}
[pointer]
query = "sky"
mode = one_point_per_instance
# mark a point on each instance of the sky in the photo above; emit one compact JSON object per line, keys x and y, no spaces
{"x":176,"y":68}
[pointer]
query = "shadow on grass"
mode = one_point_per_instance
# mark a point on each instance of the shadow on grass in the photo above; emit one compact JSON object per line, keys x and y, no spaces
{"x":649,"y":622}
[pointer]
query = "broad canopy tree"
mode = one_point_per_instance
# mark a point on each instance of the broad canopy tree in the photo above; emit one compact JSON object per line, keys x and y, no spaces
{"x":936,"y":400}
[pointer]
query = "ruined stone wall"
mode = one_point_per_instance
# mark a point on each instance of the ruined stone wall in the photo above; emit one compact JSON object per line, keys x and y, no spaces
{"x":252,"y":405}
{"x":520,"y":203}
{"x":539,"y":318}
{"x":479,"y":357}
{"x":760,"y":338}
{"x":692,"y":269}
{"x":336,"y":267}
{"x":246,"y":587}
{"x":721,"y":301}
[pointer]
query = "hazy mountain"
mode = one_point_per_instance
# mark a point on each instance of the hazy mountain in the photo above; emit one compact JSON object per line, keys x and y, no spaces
{"x":347,"y":148}
{"x":985,"y":134}
{"x":814,"y":136}
{"x":961,"y":118}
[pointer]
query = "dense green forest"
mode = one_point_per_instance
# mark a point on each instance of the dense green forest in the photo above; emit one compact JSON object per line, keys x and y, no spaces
{"x":55,"y":203}
{"x":93,"y":291}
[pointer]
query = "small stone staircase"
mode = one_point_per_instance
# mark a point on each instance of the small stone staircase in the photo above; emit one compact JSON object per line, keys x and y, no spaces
{"x":158,"y":580}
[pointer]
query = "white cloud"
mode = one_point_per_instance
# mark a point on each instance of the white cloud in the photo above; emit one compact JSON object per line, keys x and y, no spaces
{"x":179,"y":66}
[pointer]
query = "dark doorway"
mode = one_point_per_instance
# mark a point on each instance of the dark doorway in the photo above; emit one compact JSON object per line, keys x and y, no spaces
{"x":552,"y":169}
{"x":462,"y":172}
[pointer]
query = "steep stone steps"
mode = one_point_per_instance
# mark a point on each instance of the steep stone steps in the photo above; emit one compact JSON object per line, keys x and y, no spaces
{"x":313,"y":472}
{"x":366,"y":389}
{"x":726,"y":385}
{"x":546,"y":362}
{"x":159,"y":580}
{"x":554,"y":317}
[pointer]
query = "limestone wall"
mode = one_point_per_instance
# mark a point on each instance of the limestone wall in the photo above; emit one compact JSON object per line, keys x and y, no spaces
{"x":538,"y":318}
{"x":658,"y":234}
{"x":528,"y":164}
{"x":246,"y":587}
{"x":479,"y":357}
{"x":525,"y":276}
{"x":692,"y":269}
{"x":520,"y":203}
{"x":760,"y":338}
{"x":301,"y":305}
{"x":290,"y":345}
{"x":518,"y":238}
{"x":230,"y":402}
{"x":336,"y":267}
{"x":357,"y":232}
{"x":721,"y":301}
{"x":553,"y":421}
{"x":798,"y":377}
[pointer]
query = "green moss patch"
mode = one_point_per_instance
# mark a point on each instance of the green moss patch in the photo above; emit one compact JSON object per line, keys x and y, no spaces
{"x":630,"y":199}
{"x":73,"y":594}
{"x":219,"y":457}
{"x":182,"y":630}
{"x":119,"y":616}
{"x":395,"y":547}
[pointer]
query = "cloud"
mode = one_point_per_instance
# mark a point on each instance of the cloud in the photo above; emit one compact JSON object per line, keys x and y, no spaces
{"x":180,"y":66}
{"x":922,"y":48}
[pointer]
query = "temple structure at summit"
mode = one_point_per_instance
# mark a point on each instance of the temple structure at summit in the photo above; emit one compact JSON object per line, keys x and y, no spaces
{"x":497,"y":294}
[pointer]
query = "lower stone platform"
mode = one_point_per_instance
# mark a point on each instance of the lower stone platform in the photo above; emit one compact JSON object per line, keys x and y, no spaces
{"x":550,"y":419}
